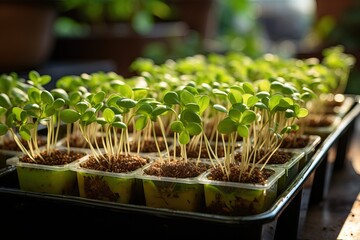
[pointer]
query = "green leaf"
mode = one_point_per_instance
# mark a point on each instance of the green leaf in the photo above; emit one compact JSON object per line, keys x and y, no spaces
{"x":251,"y":100}
{"x":262,"y":94}
{"x":191,"y":88}
{"x":235,"y":95}
{"x":295,"y":127}
{"x":25,"y":133}
{"x":248,"y":88}
{"x":177,"y":126}
{"x":302,"y":112}
{"x":34,"y":75}
{"x":48,"y":112}
{"x":286,"y":102}
{"x":220,"y":108}
{"x":263,"y":85}
{"x":5,"y":101}
{"x":277,"y":86}
{"x":59,"y":93}
{"x":239,"y":106}
{"x":193,"y":107}
{"x":46,"y":97}
{"x":144,"y":108}
{"x":17,"y":112}
{"x":160,"y":109}
{"x":118,"y":118}
{"x":151,"y":101}
{"x":234,"y":114}
{"x":99,"y":106}
{"x":203,"y":102}
{"x":189,"y":116}
{"x":126,"y":103}
{"x":20,"y":115}
{"x":227,"y":126}
{"x":274,"y":101}
{"x":248,"y":117}
{"x":186,"y":97}
{"x":34,"y":95}
{"x":243,"y":131}
{"x":111,"y":101}
{"x":171,"y":98}
{"x":289,"y":113}
{"x":81,"y":107}
{"x":124,"y":90}
{"x":194,"y":129}
{"x":69,"y":116}
{"x":108,"y":115}
{"x":288,"y":89}
{"x":184,"y":137}
{"x":206,"y":86}
{"x":33,"y":109}
{"x":285,"y":130}
{"x":44,"y":79}
{"x":98,"y":97}
{"x":306,"y":96}
{"x":119,"y":124}
{"x":74,"y":97}
{"x":3,"y":129}
{"x":141,"y":122}
{"x":219,"y":92}
{"x":260,"y":105}
{"x":2,"y":111}
{"x":140,"y":93}
{"x":101,"y":121}
{"x":88,"y":115}
{"x":58,"y":103}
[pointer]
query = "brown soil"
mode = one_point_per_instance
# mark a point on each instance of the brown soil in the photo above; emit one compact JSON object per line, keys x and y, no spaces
{"x":11,"y":145}
{"x":96,"y":188}
{"x":240,"y":207}
{"x":57,"y":157}
{"x":319,"y":120}
{"x":194,"y":153}
{"x":148,"y":146}
{"x":295,"y":141}
{"x":279,"y":157}
{"x":121,"y":164}
{"x":78,"y":141}
{"x":176,"y":168}
{"x":256,"y":176}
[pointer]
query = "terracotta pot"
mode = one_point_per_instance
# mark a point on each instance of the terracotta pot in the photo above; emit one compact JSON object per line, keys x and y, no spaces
{"x":26,"y":33}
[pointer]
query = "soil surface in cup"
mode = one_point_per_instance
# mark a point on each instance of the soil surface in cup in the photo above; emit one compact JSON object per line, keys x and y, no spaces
{"x":176,"y":168}
{"x":295,"y":141}
{"x":121,"y":163}
{"x":56,"y":157}
{"x":237,"y":174}
{"x":204,"y":153}
{"x":316,"y":120}
{"x":279,"y":157}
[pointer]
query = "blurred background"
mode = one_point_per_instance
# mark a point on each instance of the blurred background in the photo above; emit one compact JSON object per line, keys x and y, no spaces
{"x":63,"y":37}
